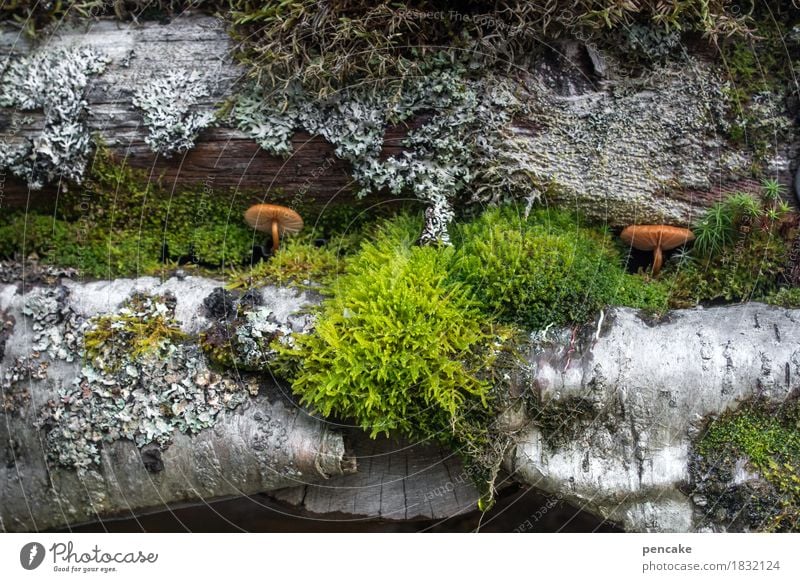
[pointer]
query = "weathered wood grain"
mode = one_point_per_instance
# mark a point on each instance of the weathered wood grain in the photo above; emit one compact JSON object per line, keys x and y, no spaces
{"x":396,"y":480}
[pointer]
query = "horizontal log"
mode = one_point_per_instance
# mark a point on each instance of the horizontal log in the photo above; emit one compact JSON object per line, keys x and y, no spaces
{"x":634,"y":395}
{"x":629,"y":397}
{"x":623,"y":151}
{"x":267,"y":442}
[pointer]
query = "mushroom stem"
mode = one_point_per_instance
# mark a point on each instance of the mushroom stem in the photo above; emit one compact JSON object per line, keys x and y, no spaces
{"x":658,"y":259}
{"x":275,"y":241}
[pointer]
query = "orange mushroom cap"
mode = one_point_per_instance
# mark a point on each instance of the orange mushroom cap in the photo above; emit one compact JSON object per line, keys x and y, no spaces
{"x":646,"y":237}
{"x":261,"y":217}
{"x":273,"y":218}
{"x":656,"y":238}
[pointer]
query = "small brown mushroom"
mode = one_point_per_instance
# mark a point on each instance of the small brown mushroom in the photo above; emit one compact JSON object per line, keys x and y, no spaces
{"x":656,"y":238}
{"x":275,"y":219}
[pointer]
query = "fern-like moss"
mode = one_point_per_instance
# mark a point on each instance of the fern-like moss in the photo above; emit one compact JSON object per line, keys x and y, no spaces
{"x":398,"y":346}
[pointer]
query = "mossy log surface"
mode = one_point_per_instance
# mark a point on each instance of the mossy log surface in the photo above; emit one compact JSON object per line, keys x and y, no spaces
{"x":617,"y":412}
{"x":622,"y":151}
{"x":266,"y":443}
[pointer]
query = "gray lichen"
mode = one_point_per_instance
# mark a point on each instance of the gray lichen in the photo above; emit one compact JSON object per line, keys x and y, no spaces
{"x":14,"y":393}
{"x":142,"y":395}
{"x":459,"y":141}
{"x":33,"y":272}
{"x":243,"y":331}
{"x":654,"y":43}
{"x":54,"y":81}
{"x":623,"y":147}
{"x":56,"y":327}
{"x":256,"y":334}
{"x":170,"y":107}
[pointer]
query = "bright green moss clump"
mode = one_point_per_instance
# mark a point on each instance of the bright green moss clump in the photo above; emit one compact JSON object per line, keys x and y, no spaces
{"x":398,"y":346}
{"x":416,"y":340}
{"x":546,"y":269}
{"x":409,"y":335}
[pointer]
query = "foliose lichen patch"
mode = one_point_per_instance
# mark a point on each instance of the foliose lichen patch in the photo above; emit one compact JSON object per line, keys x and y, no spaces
{"x":54,"y":81}
{"x":170,"y":107}
{"x":56,"y":326}
{"x":141,"y":381}
{"x":14,"y":392}
{"x":243,"y":331}
{"x":459,"y":139}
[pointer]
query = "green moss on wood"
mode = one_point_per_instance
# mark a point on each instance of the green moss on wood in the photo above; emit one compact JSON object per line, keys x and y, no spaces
{"x":120,"y":223}
{"x":766,"y":438}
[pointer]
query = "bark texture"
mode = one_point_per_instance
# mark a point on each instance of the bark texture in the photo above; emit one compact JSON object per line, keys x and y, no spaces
{"x":645,"y":150}
{"x":265,"y":443}
{"x":395,"y":480}
{"x":622,"y":406}
{"x":619,"y":408}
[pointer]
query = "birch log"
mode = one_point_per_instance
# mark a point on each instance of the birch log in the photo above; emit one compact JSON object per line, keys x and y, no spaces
{"x":647,"y":390}
{"x":265,"y":443}
{"x":650,"y":149}
{"x":644,"y":388}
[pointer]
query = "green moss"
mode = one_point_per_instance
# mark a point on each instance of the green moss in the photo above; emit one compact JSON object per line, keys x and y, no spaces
{"x":749,"y":273}
{"x":400,"y":346}
{"x":417,"y":340}
{"x":788,"y":297}
{"x":546,"y":269}
{"x":120,"y":223}
{"x":397,"y":346}
{"x":740,"y":253}
{"x":144,"y":326}
{"x":299,"y":262}
{"x":200,"y":223}
{"x":34,"y":233}
{"x":401,"y":342}
{"x":769,"y":440}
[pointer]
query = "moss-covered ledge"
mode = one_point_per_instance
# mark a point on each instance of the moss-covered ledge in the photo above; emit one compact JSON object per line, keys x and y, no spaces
{"x":558,"y":127}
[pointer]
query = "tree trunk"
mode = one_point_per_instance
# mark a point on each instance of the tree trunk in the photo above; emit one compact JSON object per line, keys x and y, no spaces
{"x":622,"y":406}
{"x":265,"y":443}
{"x":623,"y":151}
